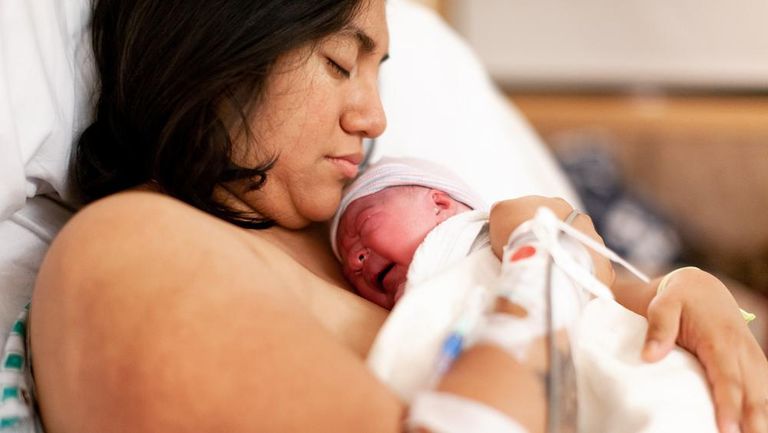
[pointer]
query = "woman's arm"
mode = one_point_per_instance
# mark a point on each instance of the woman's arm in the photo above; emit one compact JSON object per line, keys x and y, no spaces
{"x":515,"y":389}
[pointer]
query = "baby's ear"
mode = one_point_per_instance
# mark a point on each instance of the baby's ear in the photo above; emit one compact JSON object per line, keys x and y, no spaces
{"x":442,"y":201}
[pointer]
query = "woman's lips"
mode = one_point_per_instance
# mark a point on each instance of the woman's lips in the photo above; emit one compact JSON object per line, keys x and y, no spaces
{"x":347,"y":164}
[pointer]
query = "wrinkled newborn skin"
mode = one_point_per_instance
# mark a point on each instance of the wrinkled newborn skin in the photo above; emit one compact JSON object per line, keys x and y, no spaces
{"x":379,"y":233}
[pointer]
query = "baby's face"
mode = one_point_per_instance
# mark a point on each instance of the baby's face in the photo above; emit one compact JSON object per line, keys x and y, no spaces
{"x":378,"y":235}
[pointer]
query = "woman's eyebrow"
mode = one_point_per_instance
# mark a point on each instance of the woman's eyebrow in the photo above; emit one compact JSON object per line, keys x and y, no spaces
{"x":366,"y":43}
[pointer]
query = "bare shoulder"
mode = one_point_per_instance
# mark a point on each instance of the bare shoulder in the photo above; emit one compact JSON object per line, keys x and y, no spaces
{"x":139,"y":248}
{"x":138,"y":217}
{"x":141,"y":229}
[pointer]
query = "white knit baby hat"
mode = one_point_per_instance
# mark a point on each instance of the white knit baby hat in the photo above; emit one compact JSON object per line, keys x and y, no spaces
{"x":389,"y":172}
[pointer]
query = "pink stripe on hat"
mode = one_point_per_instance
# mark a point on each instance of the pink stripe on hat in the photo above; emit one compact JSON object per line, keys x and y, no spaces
{"x":389,"y":172}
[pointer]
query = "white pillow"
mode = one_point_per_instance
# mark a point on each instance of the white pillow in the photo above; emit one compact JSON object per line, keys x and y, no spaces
{"x":442,"y":106}
{"x":45,"y":87}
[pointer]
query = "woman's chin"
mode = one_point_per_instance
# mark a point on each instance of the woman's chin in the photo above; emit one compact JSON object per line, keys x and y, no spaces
{"x":309,"y":213}
{"x":323,"y":209}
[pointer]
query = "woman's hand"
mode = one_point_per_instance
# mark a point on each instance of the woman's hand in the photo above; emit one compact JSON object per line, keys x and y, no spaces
{"x":697,"y":311}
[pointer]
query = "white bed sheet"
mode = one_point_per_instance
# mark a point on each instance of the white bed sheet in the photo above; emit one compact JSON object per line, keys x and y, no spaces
{"x":24,"y":239}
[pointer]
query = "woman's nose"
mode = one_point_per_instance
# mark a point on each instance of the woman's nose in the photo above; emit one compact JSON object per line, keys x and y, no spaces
{"x":366,"y":116}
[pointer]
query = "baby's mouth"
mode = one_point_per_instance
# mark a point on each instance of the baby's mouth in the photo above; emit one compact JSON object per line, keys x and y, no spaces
{"x":381,"y":276}
{"x":393,"y":283}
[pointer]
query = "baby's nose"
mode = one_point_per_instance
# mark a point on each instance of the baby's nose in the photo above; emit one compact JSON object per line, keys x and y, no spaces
{"x":358,"y":258}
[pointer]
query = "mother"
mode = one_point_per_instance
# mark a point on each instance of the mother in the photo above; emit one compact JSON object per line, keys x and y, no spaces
{"x":206,"y":298}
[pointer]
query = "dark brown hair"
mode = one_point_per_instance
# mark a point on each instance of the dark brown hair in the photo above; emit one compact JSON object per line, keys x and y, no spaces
{"x":166,"y":67}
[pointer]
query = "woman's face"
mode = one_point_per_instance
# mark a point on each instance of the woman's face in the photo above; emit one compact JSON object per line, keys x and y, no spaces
{"x":319,"y":105}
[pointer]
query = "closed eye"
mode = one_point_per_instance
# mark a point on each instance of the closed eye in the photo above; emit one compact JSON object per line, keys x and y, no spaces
{"x":338,"y":69}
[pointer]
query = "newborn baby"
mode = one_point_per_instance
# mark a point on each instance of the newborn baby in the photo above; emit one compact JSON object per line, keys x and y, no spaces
{"x":405,"y":221}
{"x":379,"y":234}
{"x":386,"y":214}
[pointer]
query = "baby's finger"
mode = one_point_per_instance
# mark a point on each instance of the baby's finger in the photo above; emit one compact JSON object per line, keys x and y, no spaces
{"x":663,"y":326}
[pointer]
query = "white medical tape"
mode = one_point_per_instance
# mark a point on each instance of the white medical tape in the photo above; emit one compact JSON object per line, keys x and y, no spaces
{"x":512,"y":334}
{"x":440,"y":412}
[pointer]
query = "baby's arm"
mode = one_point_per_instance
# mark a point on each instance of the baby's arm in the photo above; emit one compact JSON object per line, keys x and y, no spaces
{"x":508,"y":214}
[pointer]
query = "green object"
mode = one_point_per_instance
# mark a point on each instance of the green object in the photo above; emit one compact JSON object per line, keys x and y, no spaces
{"x":14,"y":361}
{"x":10,"y":392}
{"x":747,"y":316}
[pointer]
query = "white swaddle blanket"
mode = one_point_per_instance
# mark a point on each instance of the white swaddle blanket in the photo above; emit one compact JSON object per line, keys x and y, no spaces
{"x":431,"y":304}
{"x":618,"y":392}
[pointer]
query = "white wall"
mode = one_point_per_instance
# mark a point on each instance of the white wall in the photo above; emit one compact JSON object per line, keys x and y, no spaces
{"x":709,"y":43}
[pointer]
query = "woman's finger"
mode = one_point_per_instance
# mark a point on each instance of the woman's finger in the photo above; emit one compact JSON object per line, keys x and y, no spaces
{"x":722,"y":367}
{"x":755,"y":418}
{"x":663,"y":326}
{"x":755,"y":407}
{"x":755,"y":424}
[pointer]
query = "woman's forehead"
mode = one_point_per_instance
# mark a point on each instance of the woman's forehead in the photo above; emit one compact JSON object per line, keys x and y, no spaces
{"x":369,"y":27}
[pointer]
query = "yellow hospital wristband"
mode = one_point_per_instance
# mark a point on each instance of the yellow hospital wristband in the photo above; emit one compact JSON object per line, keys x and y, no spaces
{"x":747,"y":316}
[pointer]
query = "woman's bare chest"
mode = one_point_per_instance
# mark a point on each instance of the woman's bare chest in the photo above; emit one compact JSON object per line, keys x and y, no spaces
{"x":316,"y":283}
